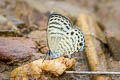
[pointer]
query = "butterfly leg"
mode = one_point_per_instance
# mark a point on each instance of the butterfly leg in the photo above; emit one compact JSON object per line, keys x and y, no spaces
{"x":47,"y":55}
{"x":55,"y":55}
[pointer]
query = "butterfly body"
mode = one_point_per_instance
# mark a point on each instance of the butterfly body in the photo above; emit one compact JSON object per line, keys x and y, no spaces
{"x":63,"y":38}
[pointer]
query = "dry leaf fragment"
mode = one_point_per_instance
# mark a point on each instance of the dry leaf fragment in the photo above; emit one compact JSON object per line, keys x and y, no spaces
{"x":35,"y":68}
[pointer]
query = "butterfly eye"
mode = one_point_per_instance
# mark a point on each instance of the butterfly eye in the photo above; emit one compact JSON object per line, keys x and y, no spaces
{"x":80,"y":44}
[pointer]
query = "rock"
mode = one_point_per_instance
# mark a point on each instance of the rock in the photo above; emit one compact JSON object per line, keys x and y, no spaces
{"x":4,"y":76}
{"x":41,"y":40}
{"x":38,"y":35}
{"x":114,"y":45}
{"x":44,"y":50}
{"x":15,"y":48}
{"x":7,"y":27}
{"x":15,"y":20}
{"x":33,"y":19}
{"x":109,"y":16}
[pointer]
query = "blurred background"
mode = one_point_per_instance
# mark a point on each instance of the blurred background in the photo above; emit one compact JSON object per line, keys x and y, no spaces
{"x":28,"y":19}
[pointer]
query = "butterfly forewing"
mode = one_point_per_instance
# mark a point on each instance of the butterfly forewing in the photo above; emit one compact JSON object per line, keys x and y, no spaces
{"x":58,"y":25}
{"x":59,"y":22}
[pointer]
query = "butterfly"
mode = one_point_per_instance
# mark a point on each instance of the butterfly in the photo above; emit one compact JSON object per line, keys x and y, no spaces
{"x":63,"y":38}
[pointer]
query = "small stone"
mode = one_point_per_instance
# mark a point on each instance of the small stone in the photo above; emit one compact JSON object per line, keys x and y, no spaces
{"x":4,"y":76}
{"x":114,"y":45}
{"x":111,"y":23}
{"x":15,"y":48}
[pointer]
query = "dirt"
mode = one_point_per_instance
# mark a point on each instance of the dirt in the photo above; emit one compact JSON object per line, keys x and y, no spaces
{"x":30,"y":22}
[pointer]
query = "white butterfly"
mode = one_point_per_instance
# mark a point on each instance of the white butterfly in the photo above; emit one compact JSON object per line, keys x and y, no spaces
{"x":63,"y":38}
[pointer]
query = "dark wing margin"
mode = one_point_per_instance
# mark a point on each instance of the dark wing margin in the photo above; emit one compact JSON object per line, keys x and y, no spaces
{"x":55,"y":14}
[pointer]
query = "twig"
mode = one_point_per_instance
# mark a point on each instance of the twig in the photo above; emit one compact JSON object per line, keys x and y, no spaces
{"x":93,"y":73}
